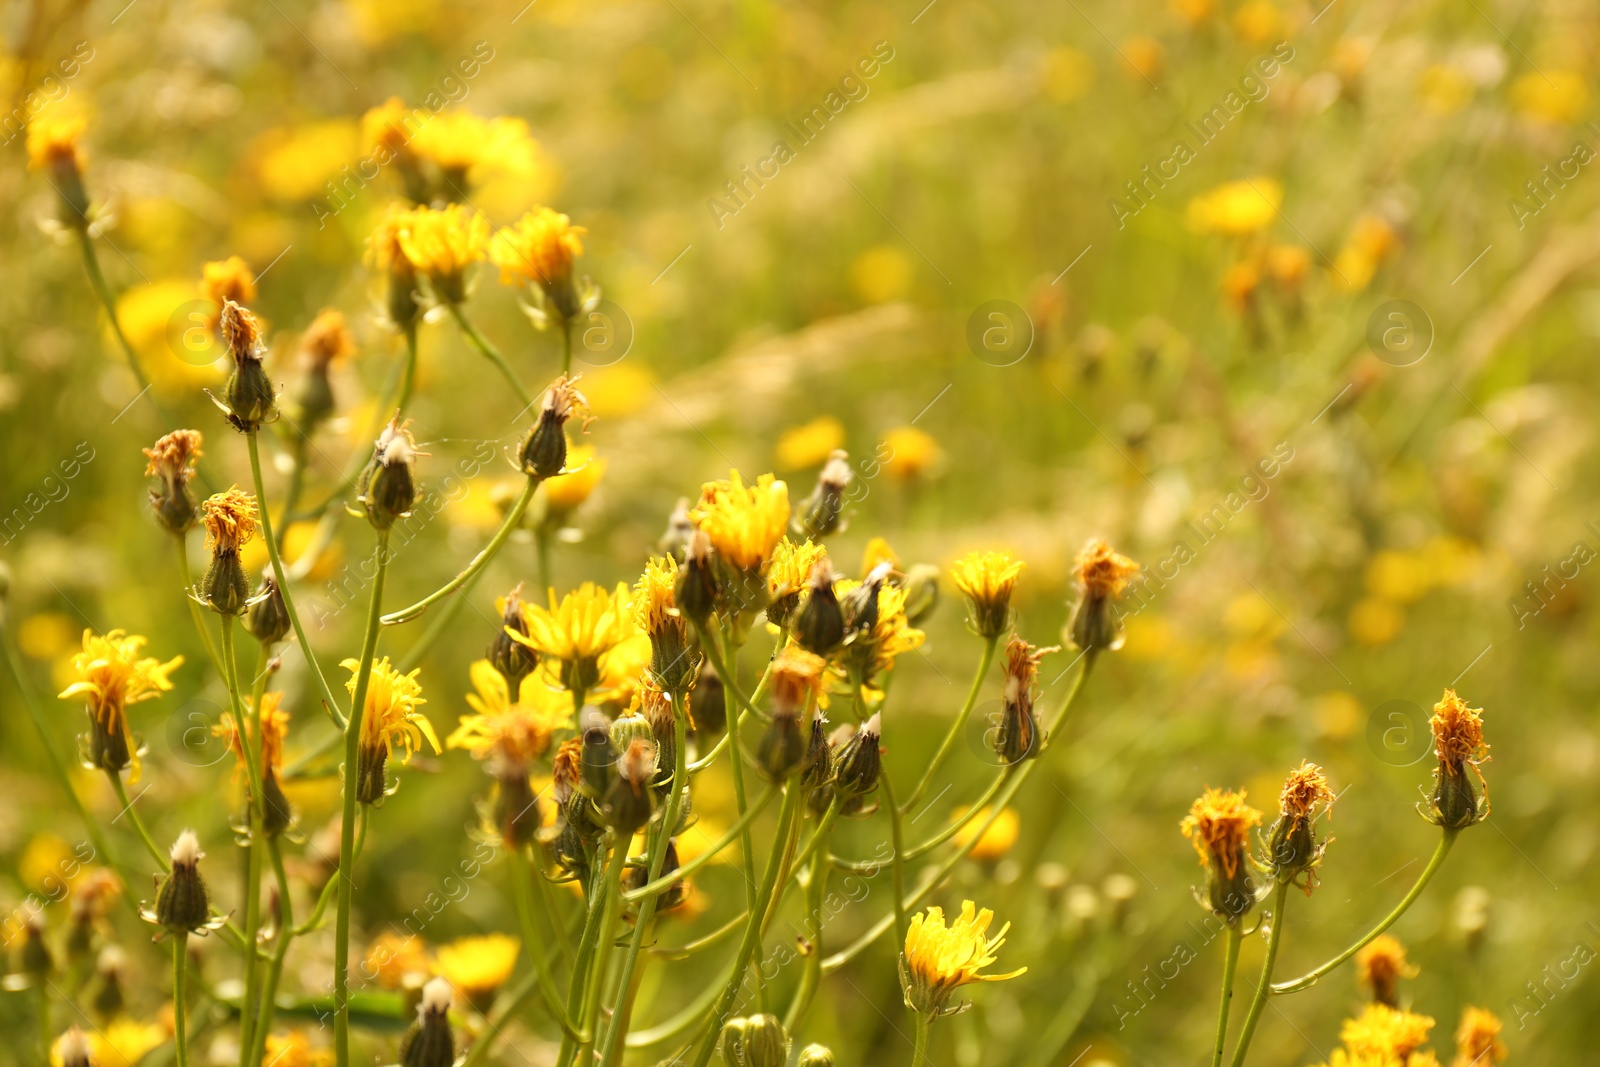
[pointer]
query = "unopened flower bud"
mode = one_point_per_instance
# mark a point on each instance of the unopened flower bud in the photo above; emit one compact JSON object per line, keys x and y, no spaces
{"x":819,"y":760}
{"x":858,"y":761}
{"x":710,"y":703}
{"x":429,"y":1042}
{"x":544,"y":450}
{"x":72,"y":1049}
{"x":1458,"y":743}
{"x":696,"y":594}
{"x":231,"y":521}
{"x":249,"y":398}
{"x":816,"y":1056}
{"x":1102,"y":577}
{"x":183,"y":904}
{"x":1017,"y":737}
{"x":268,"y":617}
{"x":107,"y":1001}
{"x":819,"y":624}
{"x":172,"y":460}
{"x":515,"y":660}
{"x":922,"y":592}
{"x":325,"y":341}
{"x":1218,"y":824}
{"x":387,"y":487}
{"x":821,"y":513}
{"x":1293,"y":850}
{"x":598,"y":763}
{"x":796,"y":681}
{"x":755,"y":1041}
{"x":628,"y":800}
{"x":34,"y":958}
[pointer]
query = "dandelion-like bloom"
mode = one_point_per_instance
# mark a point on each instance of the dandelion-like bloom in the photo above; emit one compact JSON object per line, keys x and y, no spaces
{"x":880,"y":631}
{"x":124,"y":1042}
{"x":442,"y":243}
{"x":231,"y":521}
{"x":53,"y":139}
{"x":459,"y":142}
{"x":389,"y":714}
{"x":1103,"y":575}
{"x":385,"y":129}
{"x":674,"y":665}
{"x":275,"y":811}
{"x":222,"y":280}
{"x":1017,"y":737}
{"x":907,"y":454}
{"x":578,"y":629}
{"x":396,"y":960}
{"x":327,"y":340}
{"x":787,"y":574}
{"x":538,"y":249}
{"x":1293,"y":850}
{"x":172,"y":460}
{"x":796,"y":679}
{"x":1381,"y":965}
{"x":477,"y":966}
{"x":1478,"y":1041}
{"x":988,"y":579}
{"x":1458,"y":743}
{"x":1218,"y":825}
{"x":1236,"y":208}
{"x":1382,"y":1031}
{"x":111,"y":675}
{"x":940,"y":959}
{"x":509,"y":734}
{"x":744,"y":522}
{"x":387,"y":255}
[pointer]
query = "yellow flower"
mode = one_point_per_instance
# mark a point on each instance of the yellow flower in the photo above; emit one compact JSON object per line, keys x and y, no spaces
{"x":1218,"y":824}
{"x":516,"y":731}
{"x":537,"y":249}
{"x":293,"y":1049}
{"x":1385,"y":1032}
{"x":1445,"y":89}
{"x":743,"y":522}
{"x":230,"y":518}
{"x":477,"y":966}
{"x":384,"y":249}
{"x":988,"y":579}
{"x":1458,"y":733}
{"x":808,"y":444}
{"x":878,"y":551}
{"x":891,"y":636}
{"x":53,"y":138}
{"x":1236,"y":208}
{"x":111,"y":675}
{"x":1102,"y":571}
{"x":390,"y":712}
{"x":1478,"y":1041}
{"x":388,"y":125}
{"x":655,"y":594}
{"x":274,"y":731}
{"x":125,"y":1042}
{"x":564,"y":492}
{"x":227,"y":279}
{"x":881,"y":273}
{"x":1559,"y":96}
{"x":327,"y":340}
{"x":1145,"y":57}
{"x":791,"y":566}
{"x":298,"y":163}
{"x":584,"y":625}
{"x":622,"y":669}
{"x":442,"y":244}
{"x":394,"y":959}
{"x":1257,"y":21}
{"x":907,"y":454}
{"x":1381,"y":965}
{"x":459,"y":142}
{"x":940,"y":959}
{"x":1372,"y":240}
{"x":996,"y":840}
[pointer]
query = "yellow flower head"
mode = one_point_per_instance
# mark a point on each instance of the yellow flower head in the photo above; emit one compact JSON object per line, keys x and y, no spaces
{"x":791,"y":566}
{"x":996,"y":840}
{"x":274,"y":731}
{"x":1219,"y":825}
{"x":384,"y":250}
{"x":1382,"y":1031}
{"x":53,"y":139}
{"x":327,"y":340}
{"x":796,"y":680}
{"x":230,"y":518}
{"x":1236,"y":208}
{"x":1478,"y":1041}
{"x":111,"y":675}
{"x":477,"y":966}
{"x":892,"y":634}
{"x":537,"y":249}
{"x":1304,"y":791}
{"x":744,"y":522}
{"x":1381,"y":965}
{"x":390,"y":712}
{"x":564,"y":492}
{"x":584,"y":625}
{"x":294,"y":1049}
{"x":878,"y":551}
{"x":940,"y":959}
{"x":988,"y":580}
{"x":655,"y":595}
{"x":1102,"y":571}
{"x":172,"y":458}
{"x":442,"y":243}
{"x":514,"y":731}
{"x":809,"y":444}
{"x":908,"y":454}
{"x":387,"y":126}
{"x":394,"y":959}
{"x":1458,"y":733}
{"x":227,"y":279}
{"x":459,"y":141}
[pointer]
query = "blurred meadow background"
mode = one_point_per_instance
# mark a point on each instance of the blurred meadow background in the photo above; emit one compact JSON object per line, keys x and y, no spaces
{"x":994,"y":278}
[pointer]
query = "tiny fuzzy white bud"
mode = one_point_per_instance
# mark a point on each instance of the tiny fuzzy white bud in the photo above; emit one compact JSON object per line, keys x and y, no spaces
{"x":873,"y":725}
{"x":836,"y":472}
{"x":186,"y":850}
{"x":879,"y":574}
{"x":73,"y":1048}
{"x":436,"y":996}
{"x":112,"y":958}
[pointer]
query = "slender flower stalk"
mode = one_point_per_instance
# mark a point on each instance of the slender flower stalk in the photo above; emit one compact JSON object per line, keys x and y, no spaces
{"x":956,"y":728}
{"x":512,"y":520}
{"x":1230,"y":964}
{"x":1280,"y":899}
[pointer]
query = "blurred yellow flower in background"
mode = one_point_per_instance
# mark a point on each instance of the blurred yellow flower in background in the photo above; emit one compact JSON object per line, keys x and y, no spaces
{"x":124,"y":1042}
{"x":47,"y":635}
{"x":1554,"y":96}
{"x":996,"y":840}
{"x":907,"y":453}
{"x":1258,"y":22}
{"x":477,"y":966}
{"x":1445,"y":88}
{"x":880,"y":274}
{"x":1236,"y":208}
{"x":1068,"y":74}
{"x":808,"y":444}
{"x":576,"y":483}
{"x":1374,"y":622}
{"x":1372,"y":240}
{"x":174,"y":341}
{"x":296,"y":163}
{"x":1145,"y":58}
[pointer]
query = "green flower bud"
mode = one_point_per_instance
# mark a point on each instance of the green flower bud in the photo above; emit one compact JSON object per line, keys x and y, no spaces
{"x":821,"y":513}
{"x":756,"y":1041}
{"x":248,"y":399}
{"x":268,"y":617}
{"x":816,"y":1056}
{"x":183,"y":905}
{"x":387,"y":487}
{"x":429,"y":1042}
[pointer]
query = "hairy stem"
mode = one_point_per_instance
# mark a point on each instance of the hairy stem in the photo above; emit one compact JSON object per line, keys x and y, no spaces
{"x":1230,"y":964}
{"x":1264,"y":986}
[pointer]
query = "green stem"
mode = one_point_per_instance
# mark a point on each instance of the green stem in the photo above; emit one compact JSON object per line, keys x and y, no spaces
{"x":610,"y":912}
{"x":200,"y":626}
{"x":491,"y":353}
{"x":329,"y":701}
{"x":180,"y":958}
{"x":522,"y":892}
{"x":481,"y":560}
{"x":138,"y":824}
{"x":956,"y":727}
{"x":816,"y":890}
{"x":752,"y":930}
{"x":408,"y":379}
{"x":249,"y":744}
{"x":897,"y":866}
{"x":920,"y":1051}
{"x":726,"y":671}
{"x":41,"y":1008}
{"x":658,"y":855}
{"x":1309,"y":979}
{"x":286,"y":935}
{"x":566,"y":345}
{"x":1230,"y":963}
{"x":347,"y":824}
{"x":36,"y":713}
{"x":667,"y":881}
{"x":1264,"y":986}
{"x":589,"y":957}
